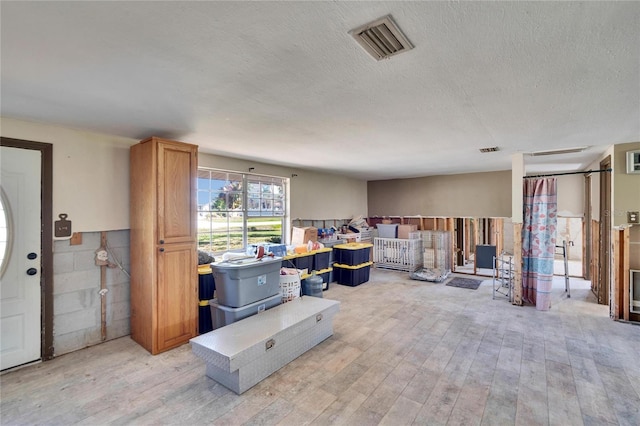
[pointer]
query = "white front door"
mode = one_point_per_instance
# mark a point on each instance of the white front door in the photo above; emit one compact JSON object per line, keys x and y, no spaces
{"x":20,"y":251}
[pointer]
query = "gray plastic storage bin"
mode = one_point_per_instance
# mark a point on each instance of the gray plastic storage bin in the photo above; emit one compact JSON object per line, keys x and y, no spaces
{"x":224,"y":315}
{"x":239,"y":283}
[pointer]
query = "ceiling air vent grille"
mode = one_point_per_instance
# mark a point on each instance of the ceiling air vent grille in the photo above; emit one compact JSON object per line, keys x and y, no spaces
{"x":558,"y":151}
{"x":381,"y":38}
{"x":492,"y":149}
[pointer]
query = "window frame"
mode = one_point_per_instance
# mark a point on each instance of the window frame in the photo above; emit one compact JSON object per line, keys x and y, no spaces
{"x":240,"y":183}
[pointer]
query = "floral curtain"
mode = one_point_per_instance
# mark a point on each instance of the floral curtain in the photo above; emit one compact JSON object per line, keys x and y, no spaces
{"x":539,"y":240}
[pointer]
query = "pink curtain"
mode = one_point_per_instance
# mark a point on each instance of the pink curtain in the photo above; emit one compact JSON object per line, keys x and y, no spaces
{"x":539,"y":240}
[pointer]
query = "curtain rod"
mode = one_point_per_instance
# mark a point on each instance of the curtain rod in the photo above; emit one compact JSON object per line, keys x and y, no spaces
{"x":568,"y":173}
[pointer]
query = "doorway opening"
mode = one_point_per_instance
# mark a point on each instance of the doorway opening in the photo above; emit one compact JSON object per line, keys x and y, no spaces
{"x":570,"y":230}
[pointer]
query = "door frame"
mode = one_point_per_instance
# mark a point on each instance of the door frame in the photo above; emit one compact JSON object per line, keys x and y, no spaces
{"x":586,"y":229}
{"x":605,"y":233}
{"x":46,"y":238}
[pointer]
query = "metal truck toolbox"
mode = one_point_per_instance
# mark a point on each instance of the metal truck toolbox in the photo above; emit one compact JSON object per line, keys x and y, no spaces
{"x":243,"y":353}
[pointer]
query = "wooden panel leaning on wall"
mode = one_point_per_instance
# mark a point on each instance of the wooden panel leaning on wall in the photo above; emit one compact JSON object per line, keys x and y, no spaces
{"x":595,"y":257}
{"x":621,"y":291}
{"x":517,"y":263}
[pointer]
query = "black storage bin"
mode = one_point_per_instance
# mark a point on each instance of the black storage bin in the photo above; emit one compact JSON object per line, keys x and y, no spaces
{"x":304,"y":262}
{"x":352,"y":275}
{"x":326,"y":276}
{"x":204,"y":318}
{"x":352,"y":254}
{"x":321,"y":260}
{"x":206,"y":283}
{"x":206,"y":290}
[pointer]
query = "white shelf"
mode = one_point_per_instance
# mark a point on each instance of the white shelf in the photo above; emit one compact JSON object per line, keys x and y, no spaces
{"x":634,"y":290}
{"x":633,"y":162}
{"x":503,"y":271}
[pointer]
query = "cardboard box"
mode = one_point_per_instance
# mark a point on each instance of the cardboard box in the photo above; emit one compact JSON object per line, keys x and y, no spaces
{"x":404,"y":230}
{"x":300,"y":236}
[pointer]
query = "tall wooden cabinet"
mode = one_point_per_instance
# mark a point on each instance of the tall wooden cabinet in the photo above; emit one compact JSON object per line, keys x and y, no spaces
{"x":164,"y":260}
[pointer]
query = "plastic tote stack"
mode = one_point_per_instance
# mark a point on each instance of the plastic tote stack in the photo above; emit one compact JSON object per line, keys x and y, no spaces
{"x":315,"y":261}
{"x":206,"y":287}
{"x":352,"y":265}
{"x":244,"y":288}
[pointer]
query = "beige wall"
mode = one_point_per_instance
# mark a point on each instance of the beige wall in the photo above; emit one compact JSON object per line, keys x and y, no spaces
{"x":626,"y":194}
{"x":517,"y":190}
{"x":90,"y":173}
{"x":571,"y":195}
{"x":634,"y":247}
{"x":463,"y":195}
{"x":91,"y":179}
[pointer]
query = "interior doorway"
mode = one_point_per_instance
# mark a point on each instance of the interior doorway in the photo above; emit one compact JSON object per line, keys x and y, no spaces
{"x":477,"y":240}
{"x":570,"y":229}
{"x":600,"y":287}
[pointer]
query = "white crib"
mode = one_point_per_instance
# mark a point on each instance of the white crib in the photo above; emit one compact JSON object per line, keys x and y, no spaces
{"x":398,"y":254}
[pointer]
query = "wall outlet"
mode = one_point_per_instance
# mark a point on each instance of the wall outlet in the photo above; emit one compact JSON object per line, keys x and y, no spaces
{"x":633,"y":217}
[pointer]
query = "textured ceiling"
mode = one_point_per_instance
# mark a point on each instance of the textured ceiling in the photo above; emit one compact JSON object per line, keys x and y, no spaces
{"x":284,"y":82}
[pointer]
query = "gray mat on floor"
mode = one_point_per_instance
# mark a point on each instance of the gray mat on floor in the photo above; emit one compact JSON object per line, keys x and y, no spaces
{"x":464,"y":283}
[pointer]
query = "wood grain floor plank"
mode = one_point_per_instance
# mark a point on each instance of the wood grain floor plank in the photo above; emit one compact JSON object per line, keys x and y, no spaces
{"x":403,"y":352}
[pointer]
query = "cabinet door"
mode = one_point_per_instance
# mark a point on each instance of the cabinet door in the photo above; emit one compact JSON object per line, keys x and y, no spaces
{"x":177,"y":295}
{"x":177,"y":166}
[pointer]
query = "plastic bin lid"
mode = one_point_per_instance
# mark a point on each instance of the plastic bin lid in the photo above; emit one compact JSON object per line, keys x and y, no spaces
{"x":307,"y":253}
{"x":320,"y":272}
{"x":353,"y":246}
{"x":247,"y":262}
{"x":204,"y":269}
{"x":360,"y":266}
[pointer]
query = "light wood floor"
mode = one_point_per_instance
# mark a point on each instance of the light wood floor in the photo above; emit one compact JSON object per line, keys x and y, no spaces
{"x":403,"y":352}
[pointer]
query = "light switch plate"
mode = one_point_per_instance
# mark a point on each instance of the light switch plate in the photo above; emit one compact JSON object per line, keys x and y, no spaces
{"x":633,"y":217}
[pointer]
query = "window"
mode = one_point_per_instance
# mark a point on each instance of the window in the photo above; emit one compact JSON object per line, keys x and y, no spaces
{"x":237,"y":209}
{"x":5,"y":232}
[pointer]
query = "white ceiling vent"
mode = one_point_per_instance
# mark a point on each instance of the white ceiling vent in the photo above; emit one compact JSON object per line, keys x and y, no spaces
{"x":381,"y":38}
{"x":491,"y":149}
{"x":558,"y":151}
